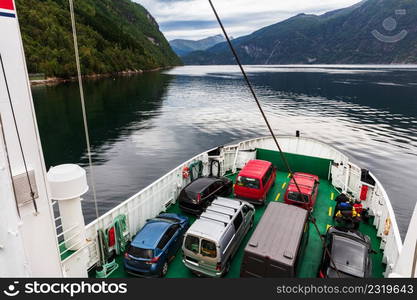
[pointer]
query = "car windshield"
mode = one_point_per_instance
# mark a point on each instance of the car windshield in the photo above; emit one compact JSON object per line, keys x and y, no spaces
{"x":248,"y":182}
{"x":208,"y":249}
{"x":140,"y":253}
{"x":349,"y":256}
{"x":295,"y":196}
{"x":192,"y":243}
{"x":167,"y":219}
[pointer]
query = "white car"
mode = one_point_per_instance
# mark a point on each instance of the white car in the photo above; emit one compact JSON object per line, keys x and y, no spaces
{"x":213,"y":239}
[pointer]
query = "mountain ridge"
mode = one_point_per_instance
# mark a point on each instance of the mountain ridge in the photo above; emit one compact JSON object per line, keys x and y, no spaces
{"x":183,"y":46}
{"x":343,"y":36}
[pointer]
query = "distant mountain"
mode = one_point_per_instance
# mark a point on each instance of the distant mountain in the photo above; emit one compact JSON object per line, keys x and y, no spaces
{"x":184,"y":47}
{"x":370,"y":32}
{"x":113,"y":36}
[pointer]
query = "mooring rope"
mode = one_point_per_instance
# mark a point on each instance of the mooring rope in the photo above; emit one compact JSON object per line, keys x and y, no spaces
{"x":80,"y":83}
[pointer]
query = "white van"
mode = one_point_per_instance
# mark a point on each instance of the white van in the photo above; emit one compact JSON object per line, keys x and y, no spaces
{"x":213,"y":239}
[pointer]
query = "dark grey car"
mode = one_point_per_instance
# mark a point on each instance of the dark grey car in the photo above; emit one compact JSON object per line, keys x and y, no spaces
{"x":351,"y":254}
{"x":197,"y":195}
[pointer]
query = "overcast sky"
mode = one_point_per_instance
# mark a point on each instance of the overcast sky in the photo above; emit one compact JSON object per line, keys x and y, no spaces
{"x":193,"y":19}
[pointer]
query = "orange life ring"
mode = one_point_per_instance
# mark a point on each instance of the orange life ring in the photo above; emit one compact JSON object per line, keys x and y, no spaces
{"x":186,"y":172}
{"x":387,"y":226}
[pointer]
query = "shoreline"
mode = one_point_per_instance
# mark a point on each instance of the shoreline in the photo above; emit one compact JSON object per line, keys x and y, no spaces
{"x":57,"y":80}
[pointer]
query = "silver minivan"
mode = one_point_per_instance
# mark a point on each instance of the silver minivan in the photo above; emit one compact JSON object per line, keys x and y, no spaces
{"x":213,"y":239}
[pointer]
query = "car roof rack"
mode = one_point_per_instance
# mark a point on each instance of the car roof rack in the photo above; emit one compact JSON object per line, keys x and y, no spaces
{"x":212,"y":217}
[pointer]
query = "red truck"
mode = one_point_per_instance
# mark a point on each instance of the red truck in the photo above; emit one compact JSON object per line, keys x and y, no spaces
{"x":255,"y":180}
{"x":309,"y":186}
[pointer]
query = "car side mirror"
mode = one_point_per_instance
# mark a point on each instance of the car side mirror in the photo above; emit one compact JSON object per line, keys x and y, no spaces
{"x":372,"y":251}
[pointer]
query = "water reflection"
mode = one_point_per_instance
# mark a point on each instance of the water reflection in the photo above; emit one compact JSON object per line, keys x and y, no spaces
{"x":143,"y":126}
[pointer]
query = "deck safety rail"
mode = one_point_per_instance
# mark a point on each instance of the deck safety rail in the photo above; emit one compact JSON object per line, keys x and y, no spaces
{"x":146,"y":204}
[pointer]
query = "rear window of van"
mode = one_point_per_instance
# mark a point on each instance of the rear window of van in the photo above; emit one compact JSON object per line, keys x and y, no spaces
{"x":208,"y":249}
{"x":192,"y":243}
{"x":248,"y":182}
{"x":295,"y":196}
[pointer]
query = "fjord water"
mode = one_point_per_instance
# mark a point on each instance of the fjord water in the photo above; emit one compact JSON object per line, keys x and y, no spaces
{"x":143,"y":126}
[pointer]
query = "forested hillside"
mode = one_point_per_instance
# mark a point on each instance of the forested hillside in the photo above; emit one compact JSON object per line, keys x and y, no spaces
{"x":113,"y":36}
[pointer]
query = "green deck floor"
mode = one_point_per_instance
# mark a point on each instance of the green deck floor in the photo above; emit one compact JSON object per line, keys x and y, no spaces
{"x":323,"y":212}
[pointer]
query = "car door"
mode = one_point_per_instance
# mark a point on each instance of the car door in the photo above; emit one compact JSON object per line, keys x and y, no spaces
{"x":267,"y":182}
{"x":206,"y":196}
{"x":176,"y":238}
{"x":218,"y":188}
{"x":172,"y":240}
{"x":270,"y":179}
{"x":247,"y":215}
{"x":211,"y":191}
{"x":315,"y":192}
{"x":239,"y":224}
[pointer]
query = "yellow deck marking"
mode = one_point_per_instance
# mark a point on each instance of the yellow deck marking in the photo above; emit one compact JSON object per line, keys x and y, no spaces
{"x":328,"y":226}
{"x":332,"y":196}
{"x":330,"y":211}
{"x":289,"y":174}
{"x":279,"y":195}
{"x":284,"y":184}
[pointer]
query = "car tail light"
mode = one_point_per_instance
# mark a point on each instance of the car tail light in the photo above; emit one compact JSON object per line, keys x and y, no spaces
{"x":153,"y":261}
{"x":219,"y":267}
{"x":127,"y":256}
{"x":198,"y":197}
{"x":321,"y":275}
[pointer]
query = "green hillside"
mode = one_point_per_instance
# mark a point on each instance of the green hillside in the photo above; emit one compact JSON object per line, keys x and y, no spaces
{"x":113,"y":36}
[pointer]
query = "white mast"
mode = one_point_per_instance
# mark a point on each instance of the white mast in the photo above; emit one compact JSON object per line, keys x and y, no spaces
{"x":28,"y":242}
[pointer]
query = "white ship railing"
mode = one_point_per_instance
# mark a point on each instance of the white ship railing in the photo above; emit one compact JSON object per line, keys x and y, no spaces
{"x":158,"y":196}
{"x":146,"y":204}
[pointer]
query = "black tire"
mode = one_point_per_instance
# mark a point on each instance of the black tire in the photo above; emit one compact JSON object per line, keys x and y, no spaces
{"x":227,"y":268}
{"x":164,"y":269}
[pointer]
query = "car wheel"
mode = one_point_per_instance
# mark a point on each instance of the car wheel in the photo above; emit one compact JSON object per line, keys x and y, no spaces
{"x":227,"y":268}
{"x":164,"y":270}
{"x":252,"y":221}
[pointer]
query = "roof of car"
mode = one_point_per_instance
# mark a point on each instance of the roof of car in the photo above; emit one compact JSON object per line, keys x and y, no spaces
{"x":226,"y":202}
{"x":278,"y":234}
{"x":201,"y":183}
{"x":221,"y":209}
{"x":255,"y":168}
{"x":213,"y":222}
{"x":206,"y":228}
{"x":150,"y":235}
{"x":304,"y":181}
{"x":215,"y":216}
{"x":349,"y":255}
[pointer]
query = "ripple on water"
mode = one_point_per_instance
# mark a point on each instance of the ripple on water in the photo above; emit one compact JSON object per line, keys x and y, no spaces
{"x":368,"y":112}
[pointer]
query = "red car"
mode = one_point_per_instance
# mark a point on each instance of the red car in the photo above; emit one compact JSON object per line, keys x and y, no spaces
{"x":255,"y":180}
{"x":309,"y":186}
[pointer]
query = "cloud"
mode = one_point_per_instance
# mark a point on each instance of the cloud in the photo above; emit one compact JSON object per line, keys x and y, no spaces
{"x":194,"y":19}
